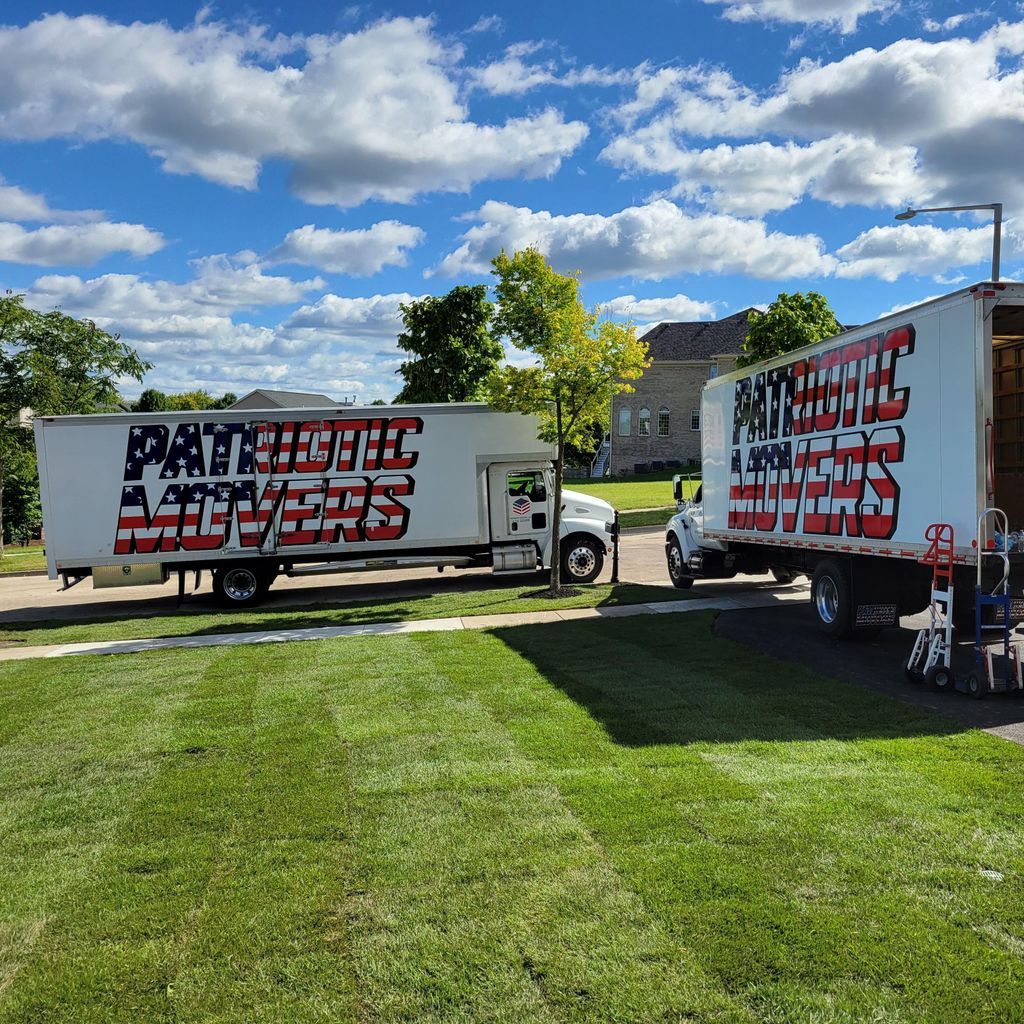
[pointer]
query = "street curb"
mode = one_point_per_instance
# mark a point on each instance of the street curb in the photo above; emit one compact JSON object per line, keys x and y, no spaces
{"x":27,"y":572}
{"x":454,"y":623}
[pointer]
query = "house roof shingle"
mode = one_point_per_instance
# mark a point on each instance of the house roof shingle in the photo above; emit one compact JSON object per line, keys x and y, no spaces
{"x":699,"y":339}
{"x":285,"y":399}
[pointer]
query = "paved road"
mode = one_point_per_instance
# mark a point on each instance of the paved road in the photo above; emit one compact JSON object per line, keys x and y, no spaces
{"x":36,"y":597}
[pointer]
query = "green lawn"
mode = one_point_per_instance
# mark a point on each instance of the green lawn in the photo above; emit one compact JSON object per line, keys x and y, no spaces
{"x":17,"y":559}
{"x":629,"y":820}
{"x":653,"y":490}
{"x":458,"y":601}
{"x":648,"y":517}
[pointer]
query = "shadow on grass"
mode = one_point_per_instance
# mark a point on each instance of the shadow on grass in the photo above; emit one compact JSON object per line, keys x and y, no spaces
{"x":667,"y":679}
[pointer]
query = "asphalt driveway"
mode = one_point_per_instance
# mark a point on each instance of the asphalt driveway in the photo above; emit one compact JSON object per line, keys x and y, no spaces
{"x":788,"y":632}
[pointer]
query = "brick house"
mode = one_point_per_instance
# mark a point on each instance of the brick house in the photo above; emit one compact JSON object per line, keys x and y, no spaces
{"x":660,"y":421}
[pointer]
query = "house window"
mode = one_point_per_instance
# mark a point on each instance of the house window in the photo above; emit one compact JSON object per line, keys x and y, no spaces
{"x":695,"y":419}
{"x":625,"y":422}
{"x":643,"y":423}
{"x":713,"y":372}
{"x":663,"y":422}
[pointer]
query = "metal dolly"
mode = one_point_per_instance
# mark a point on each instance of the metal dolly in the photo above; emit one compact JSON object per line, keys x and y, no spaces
{"x":929,"y":661}
{"x":991,"y":675}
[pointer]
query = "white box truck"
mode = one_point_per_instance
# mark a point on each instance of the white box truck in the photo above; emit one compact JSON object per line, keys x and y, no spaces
{"x":832,"y":460}
{"x":131,"y":498}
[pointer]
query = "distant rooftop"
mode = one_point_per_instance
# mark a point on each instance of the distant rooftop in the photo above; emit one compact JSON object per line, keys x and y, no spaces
{"x":264,"y":398}
{"x":699,"y":339}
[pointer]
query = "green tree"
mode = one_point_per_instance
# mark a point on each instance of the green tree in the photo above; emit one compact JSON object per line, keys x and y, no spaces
{"x":454,"y":349}
{"x":151,"y":400}
{"x":52,"y":364}
{"x":23,"y":514}
{"x":580,"y":362}
{"x":790,"y":322}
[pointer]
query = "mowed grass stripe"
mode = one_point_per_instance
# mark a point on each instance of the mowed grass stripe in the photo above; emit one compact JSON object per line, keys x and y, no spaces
{"x":838,"y":871}
{"x":619,"y":820}
{"x":473,"y":863}
{"x":62,"y":807}
{"x":208,"y":903}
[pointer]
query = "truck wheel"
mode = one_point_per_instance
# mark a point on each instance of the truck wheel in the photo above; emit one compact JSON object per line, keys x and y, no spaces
{"x":582,"y":560}
{"x":241,"y":585}
{"x":676,"y":569}
{"x":783,"y":575}
{"x":830,"y":598}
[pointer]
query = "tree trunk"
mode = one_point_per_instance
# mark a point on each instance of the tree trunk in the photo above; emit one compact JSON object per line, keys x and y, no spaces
{"x":556,"y":510}
{"x":1,"y":502}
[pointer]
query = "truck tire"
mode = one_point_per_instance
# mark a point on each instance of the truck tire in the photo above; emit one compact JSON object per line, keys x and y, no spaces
{"x":831,"y":599}
{"x":582,"y":559}
{"x":676,"y":567}
{"x":783,"y":575}
{"x":241,"y":585}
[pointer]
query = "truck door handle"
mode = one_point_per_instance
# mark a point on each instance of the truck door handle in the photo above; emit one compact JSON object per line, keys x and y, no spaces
{"x":515,"y":526}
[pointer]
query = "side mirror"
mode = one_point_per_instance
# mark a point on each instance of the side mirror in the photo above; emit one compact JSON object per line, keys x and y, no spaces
{"x":677,"y":488}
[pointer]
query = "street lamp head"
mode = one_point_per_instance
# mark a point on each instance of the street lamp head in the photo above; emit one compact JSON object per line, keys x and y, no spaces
{"x":906,"y":214}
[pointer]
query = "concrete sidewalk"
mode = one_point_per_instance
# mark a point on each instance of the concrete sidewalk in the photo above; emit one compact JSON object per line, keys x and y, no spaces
{"x":754,"y":599}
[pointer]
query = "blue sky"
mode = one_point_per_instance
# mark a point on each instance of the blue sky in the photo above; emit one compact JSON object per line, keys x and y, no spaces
{"x":246,"y":192}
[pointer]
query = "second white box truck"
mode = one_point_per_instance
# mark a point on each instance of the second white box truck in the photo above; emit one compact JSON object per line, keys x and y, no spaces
{"x":131,"y":498}
{"x":833,"y":459}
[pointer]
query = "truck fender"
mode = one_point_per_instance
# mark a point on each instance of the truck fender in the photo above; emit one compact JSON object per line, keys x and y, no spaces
{"x":680,"y":530}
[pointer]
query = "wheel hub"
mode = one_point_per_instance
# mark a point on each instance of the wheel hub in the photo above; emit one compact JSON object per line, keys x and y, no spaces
{"x":826,"y":600}
{"x":240,"y":584}
{"x":675,"y":562}
{"x":581,"y":561}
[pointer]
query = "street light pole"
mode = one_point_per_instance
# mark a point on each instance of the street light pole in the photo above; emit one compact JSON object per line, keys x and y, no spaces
{"x":997,"y":218}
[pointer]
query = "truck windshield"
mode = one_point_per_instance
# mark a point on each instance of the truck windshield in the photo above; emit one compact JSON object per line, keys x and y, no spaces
{"x":530,"y":485}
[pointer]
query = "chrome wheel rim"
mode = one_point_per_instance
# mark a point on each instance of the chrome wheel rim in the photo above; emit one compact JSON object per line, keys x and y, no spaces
{"x":240,"y":584}
{"x":826,"y":599}
{"x":581,"y":561}
{"x":675,"y":562}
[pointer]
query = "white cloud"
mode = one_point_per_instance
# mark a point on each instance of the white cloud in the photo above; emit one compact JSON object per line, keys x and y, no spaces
{"x":362,"y":321}
{"x":359,"y":253}
{"x":75,"y":244}
{"x":648,"y":312}
{"x":651,"y":242}
{"x":487,"y":23}
{"x":890,"y":252}
{"x":337,"y":344}
{"x":877,"y":127}
{"x":512,"y":75}
{"x":762,"y":177}
{"x":954,"y":21}
{"x":375,"y":114}
{"x":900,"y":306}
{"x":220,"y":287}
{"x":19,"y":204}
{"x":842,"y":14}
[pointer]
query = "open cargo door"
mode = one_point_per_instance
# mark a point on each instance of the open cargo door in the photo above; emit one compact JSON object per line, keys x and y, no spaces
{"x":1007,"y":442}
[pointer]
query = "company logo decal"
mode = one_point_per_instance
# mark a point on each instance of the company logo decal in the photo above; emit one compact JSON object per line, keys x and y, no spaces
{"x":816,"y":448}
{"x":521,"y":507}
{"x":200,"y":487}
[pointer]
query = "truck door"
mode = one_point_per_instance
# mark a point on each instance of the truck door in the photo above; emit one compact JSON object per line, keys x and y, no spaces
{"x":520,"y":505}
